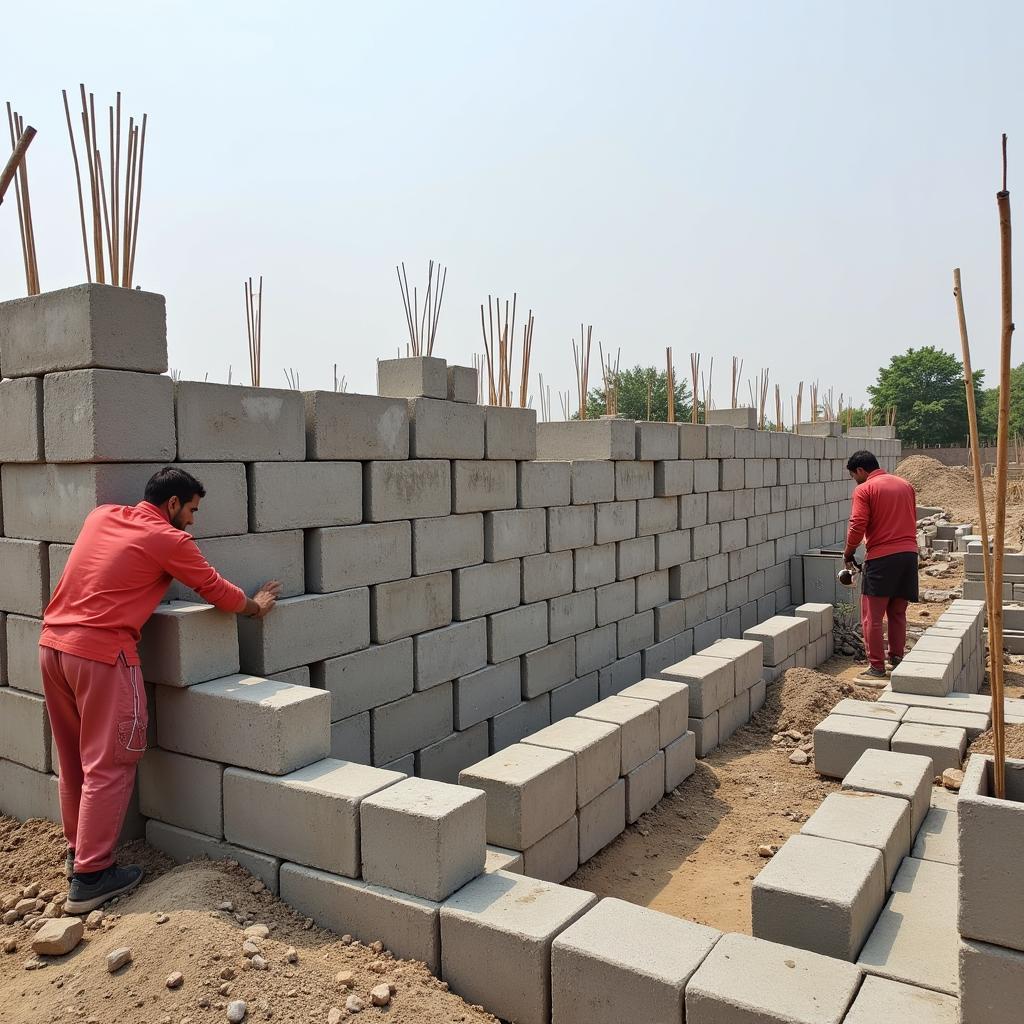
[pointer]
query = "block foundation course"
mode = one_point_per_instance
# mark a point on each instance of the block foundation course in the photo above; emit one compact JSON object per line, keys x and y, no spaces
{"x":596,"y":747}
{"x":907,"y":776}
{"x":840,"y":740}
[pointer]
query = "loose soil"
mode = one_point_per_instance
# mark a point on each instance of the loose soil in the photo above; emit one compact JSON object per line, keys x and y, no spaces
{"x":201,"y":942}
{"x":985,"y":743}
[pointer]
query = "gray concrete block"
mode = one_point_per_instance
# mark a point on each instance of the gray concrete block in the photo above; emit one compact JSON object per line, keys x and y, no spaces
{"x":615,"y":601}
{"x":927,"y":678}
{"x":182,"y":791}
{"x":616,"y":520}
{"x":840,"y":740}
{"x":574,"y":696}
{"x":25,"y":793}
{"x":452,"y":651}
{"x":620,"y":674}
{"x":483,"y":589}
{"x":24,"y":729}
{"x":710,"y":682}
{"x":463,"y":384}
{"x":746,"y":657}
{"x":620,"y":962}
{"x":935,"y":639}
{"x":19,"y":667}
{"x":595,"y":566}
{"x":514,"y":533}
{"x":511,"y":726}
{"x":423,"y":837}
{"x":669,"y":620}
{"x":870,"y":709}
{"x":634,"y":480}
{"x":332,"y":495}
{"x":673,"y":702}
{"x":486,"y":693}
{"x":517,"y":631}
{"x":587,"y":439}
{"x":680,"y":760}
{"x":592,"y":481}
{"x":596,"y":747}
{"x":442,"y":761}
{"x":659,"y":656}
{"x":635,"y":633}
{"x":819,"y":618}
{"x":602,"y":820}
{"x":867,"y":819}
{"x":914,"y":940}
{"x":908,"y":776}
{"x":672,"y":549}
{"x":500,"y":859}
{"x":482,"y":486}
{"x":596,"y":649}
{"x":747,"y":980}
{"x":411,"y":723}
{"x":781,"y":636}
{"x":555,"y":857}
{"x":363,"y":427}
{"x":974,"y":703}
{"x":547,"y":575}
{"x":571,"y":614}
{"x":689,"y":580}
{"x":656,"y":515}
{"x":249,"y":561}
{"x":569,"y":526}
{"x":705,"y":475}
{"x":645,"y":786}
{"x":991,"y":984}
{"x":407,"y":925}
{"x":351,"y":739}
{"x":502,"y":918}
{"x":880,"y":999}
{"x":548,"y":667}
{"x":21,"y":420}
{"x":937,"y":838}
{"x":412,"y":377}
{"x":634,"y":557}
{"x":303,"y":629}
{"x":184,"y":643}
{"x":511,"y":433}
{"x":185,"y":845}
{"x":286,"y":727}
{"x":705,"y":731}
{"x":639,"y":723}
{"x":732,"y":715}
{"x":445,"y":430}
{"x":367,"y":678}
{"x":544,"y":484}
{"x":945,"y":745}
{"x":406,"y":764}
{"x":415,"y":489}
{"x":406,"y":607}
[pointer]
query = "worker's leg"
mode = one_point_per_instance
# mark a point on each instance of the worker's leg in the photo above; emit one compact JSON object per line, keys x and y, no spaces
{"x":112,"y":705}
{"x":896,"y":618}
{"x":65,"y":725}
{"x":872,"y":611}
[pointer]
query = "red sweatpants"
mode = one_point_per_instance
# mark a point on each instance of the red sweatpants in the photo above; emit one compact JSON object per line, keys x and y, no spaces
{"x":872,"y":610}
{"x":98,"y":716}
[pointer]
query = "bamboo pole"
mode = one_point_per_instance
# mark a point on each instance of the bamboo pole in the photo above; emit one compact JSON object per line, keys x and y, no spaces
{"x":694,"y":380}
{"x":670,"y":383}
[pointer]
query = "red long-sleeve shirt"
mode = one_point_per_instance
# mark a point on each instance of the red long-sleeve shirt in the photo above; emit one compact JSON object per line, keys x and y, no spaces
{"x":118,"y":571}
{"x":884,"y":515}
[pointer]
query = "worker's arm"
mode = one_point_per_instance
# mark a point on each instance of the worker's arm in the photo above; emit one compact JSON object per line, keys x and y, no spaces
{"x":184,"y":561}
{"x":860,"y":512}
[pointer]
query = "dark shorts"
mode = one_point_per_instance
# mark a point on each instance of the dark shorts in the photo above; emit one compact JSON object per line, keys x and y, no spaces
{"x":891,"y":576}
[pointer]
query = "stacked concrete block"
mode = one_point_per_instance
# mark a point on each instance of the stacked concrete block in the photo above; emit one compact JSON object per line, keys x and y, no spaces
{"x":412,"y":377}
{"x":463,"y":383}
{"x":840,"y":740}
{"x":906,"y":776}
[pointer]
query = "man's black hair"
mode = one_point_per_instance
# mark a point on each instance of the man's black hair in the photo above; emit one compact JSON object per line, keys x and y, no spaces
{"x":862,"y":460}
{"x":172,"y":482}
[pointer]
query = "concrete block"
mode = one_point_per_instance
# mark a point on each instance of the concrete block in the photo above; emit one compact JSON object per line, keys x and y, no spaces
{"x":673,"y":706}
{"x":595,"y":649}
{"x":544,"y":484}
{"x":21,"y":420}
{"x":880,"y":999}
{"x":358,"y":556}
{"x":758,"y":692}
{"x":659,"y":656}
{"x":423,"y":837}
{"x":781,"y":637}
{"x":185,"y":643}
{"x":989,"y":909}
{"x":645,"y":786}
{"x":555,"y":857}
{"x":602,"y":820}
{"x":285,"y":727}
{"x":407,"y":925}
{"x":357,"y":427}
{"x":303,"y":629}
{"x":531,"y":790}
{"x":25,"y":793}
{"x":548,"y":667}
{"x":669,"y":620}
{"x":445,"y":430}
{"x":184,"y":845}
{"x":596,"y":747}
{"x":367,"y":678}
{"x":500,"y":859}
{"x":935,"y":640}
{"x":690,"y":580}
{"x":502,"y":918}
{"x":927,"y":678}
{"x":634,"y":480}
{"x":412,"y":377}
{"x":24,"y":729}
{"x":463,"y":384}
{"x":183,"y":791}
{"x":635,"y":633}
{"x":351,"y":739}
{"x":915,"y":940}
{"x":442,"y":761}
{"x":483,"y":694}
{"x":416,"y":489}
{"x":406,"y":607}
{"x":974,"y":703}
{"x":693,"y":510}
{"x":991,"y":983}
{"x":937,"y":839}
{"x":514,"y":533}
{"x":620,"y":674}
{"x":620,"y":961}
{"x":672,"y":549}
{"x":570,"y":614}
{"x":710,"y":682}
{"x":747,"y":980}
{"x":517,"y":631}
{"x":615,"y":521}
{"x":746,"y":657}
{"x":574,"y":696}
{"x":523,"y":719}
{"x":908,"y":776}
{"x":639,"y":724}
{"x":595,"y":566}
{"x":443,"y":654}
{"x":511,"y":433}
{"x":332,"y":495}
{"x":482,"y":486}
{"x":705,"y":731}
{"x":673,"y":477}
{"x":592,"y":482}
{"x":484,"y":589}
{"x":680,"y":760}
{"x":945,"y":745}
{"x":22,"y":653}
{"x":867,"y":819}
{"x":634,"y":557}
{"x":447,"y":542}
{"x":819,"y":619}
{"x":840,"y":740}
{"x":586,"y":439}
{"x":411,"y":723}
{"x":569,"y":526}
{"x":405,"y":765}
{"x":615,"y":601}
{"x":870,"y":709}
{"x":656,"y":515}
{"x":732,"y":715}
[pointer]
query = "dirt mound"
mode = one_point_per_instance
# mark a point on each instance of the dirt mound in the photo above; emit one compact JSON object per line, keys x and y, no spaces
{"x":802,"y":698}
{"x":985,"y":743}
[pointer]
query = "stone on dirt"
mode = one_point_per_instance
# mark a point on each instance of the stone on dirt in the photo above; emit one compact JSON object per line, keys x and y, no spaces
{"x":334,"y":1015}
{"x":237,"y":1010}
{"x":117,"y":958}
{"x":952,"y":778}
{"x":94,"y":920}
{"x":380,"y":995}
{"x":354,"y":1004}
{"x":58,"y":936}
{"x":175,"y":979}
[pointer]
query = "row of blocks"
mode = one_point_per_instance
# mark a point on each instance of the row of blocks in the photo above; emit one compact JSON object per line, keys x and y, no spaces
{"x":949,"y":656}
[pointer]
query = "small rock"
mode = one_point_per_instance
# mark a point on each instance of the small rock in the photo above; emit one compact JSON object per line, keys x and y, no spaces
{"x":346,"y":939}
{"x":380,"y":995}
{"x":345,"y":978}
{"x":952,"y":778}
{"x":354,"y":1004}
{"x":225,"y":989}
{"x":256,"y":931}
{"x":58,"y":937}
{"x":237,"y":1010}
{"x":334,"y":1015}
{"x":307,"y":924}
{"x":250,"y":948}
{"x":10,"y":945}
{"x":175,"y":979}
{"x":228,"y":974}
{"x":794,"y":734}
{"x":11,"y":916}
{"x":30,"y":891}
{"x":798,"y":757}
{"x":227,"y":906}
{"x":25,"y":906}
{"x":117,"y":958}
{"x":767,"y":850}
{"x":94,"y":920}
{"x":258,"y":963}
{"x":162,"y":919}
{"x":292,"y":955}
{"x":257,"y":886}
{"x":377,"y":946}
{"x":48,"y":894}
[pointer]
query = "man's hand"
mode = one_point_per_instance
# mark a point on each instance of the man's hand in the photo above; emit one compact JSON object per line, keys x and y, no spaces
{"x":263,"y":600}
{"x":849,"y":561}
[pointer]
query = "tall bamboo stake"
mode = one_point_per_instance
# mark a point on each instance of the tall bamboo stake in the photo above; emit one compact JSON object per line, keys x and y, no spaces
{"x":16,"y":170}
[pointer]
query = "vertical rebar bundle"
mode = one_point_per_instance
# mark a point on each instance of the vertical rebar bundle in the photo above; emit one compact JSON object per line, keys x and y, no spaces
{"x":254,"y":327}
{"x":581,"y":358}
{"x":422,"y":326}
{"x":498,"y":331}
{"x":694,"y":382}
{"x":16,"y":169}
{"x":610,"y":374}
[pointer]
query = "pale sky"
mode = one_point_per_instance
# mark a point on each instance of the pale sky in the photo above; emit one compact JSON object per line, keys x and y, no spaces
{"x":788,"y":182}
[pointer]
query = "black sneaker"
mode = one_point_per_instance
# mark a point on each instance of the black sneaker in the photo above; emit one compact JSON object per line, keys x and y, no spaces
{"x":114,"y":881}
{"x":895,"y":661}
{"x":69,"y":865}
{"x":876,"y":677}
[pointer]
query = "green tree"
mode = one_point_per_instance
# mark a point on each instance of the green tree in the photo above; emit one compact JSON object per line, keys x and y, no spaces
{"x":926,"y":387}
{"x":633,"y":388}
{"x":988,"y":410}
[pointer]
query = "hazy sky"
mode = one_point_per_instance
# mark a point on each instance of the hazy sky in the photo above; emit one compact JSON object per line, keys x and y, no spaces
{"x":787,"y":182}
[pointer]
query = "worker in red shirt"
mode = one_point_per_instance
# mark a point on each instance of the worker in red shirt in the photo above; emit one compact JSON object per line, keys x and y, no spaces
{"x":884,"y":516}
{"x":118,"y":571}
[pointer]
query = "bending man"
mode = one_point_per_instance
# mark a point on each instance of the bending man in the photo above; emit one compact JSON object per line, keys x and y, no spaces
{"x":884,"y":515}
{"x":117,"y":573}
